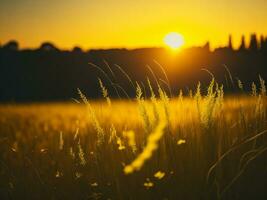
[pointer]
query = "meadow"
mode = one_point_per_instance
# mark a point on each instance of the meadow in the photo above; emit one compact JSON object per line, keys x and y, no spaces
{"x":204,"y":145}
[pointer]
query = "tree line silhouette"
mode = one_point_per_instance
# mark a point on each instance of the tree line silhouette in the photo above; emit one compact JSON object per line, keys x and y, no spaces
{"x":50,"y":74}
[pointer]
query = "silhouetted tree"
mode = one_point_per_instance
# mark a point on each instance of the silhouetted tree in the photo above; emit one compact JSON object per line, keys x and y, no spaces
{"x":206,"y":47}
{"x":47,"y":46}
{"x":253,"y":46}
{"x":77,"y":50}
{"x":230,"y":45}
{"x":242,"y":46}
{"x":11,"y":45}
{"x":263,"y":43}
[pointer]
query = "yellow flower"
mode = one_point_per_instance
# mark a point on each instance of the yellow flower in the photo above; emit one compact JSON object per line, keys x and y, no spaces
{"x":119,"y":142}
{"x":94,"y":184}
{"x":159,"y":175}
{"x":148,"y":184}
{"x":181,"y":141}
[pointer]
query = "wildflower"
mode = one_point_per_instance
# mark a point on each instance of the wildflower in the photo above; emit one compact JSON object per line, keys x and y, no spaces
{"x":58,"y":174}
{"x":159,"y":175}
{"x":95,"y":184}
{"x":181,"y":141}
{"x":119,"y":142}
{"x":78,"y":175}
{"x":148,"y":184}
{"x":43,"y":150}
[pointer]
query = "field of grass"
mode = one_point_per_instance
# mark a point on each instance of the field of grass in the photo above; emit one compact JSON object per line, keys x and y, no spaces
{"x":207,"y":146}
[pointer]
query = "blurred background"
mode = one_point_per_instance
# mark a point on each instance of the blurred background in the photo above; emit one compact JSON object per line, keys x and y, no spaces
{"x":48,"y":49}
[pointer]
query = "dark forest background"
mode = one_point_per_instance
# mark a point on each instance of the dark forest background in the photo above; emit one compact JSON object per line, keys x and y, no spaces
{"x":51,"y":74}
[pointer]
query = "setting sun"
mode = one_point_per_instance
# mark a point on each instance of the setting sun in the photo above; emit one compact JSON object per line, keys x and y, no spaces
{"x":174,"y":40}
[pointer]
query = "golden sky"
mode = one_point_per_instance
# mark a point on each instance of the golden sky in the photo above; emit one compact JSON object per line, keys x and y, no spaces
{"x":128,"y":23}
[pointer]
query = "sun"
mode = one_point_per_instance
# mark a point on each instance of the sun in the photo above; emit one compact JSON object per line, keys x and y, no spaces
{"x":174,"y":40}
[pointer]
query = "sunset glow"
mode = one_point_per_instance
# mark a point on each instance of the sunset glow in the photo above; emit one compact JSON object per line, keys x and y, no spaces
{"x":174,"y":40}
{"x":129,"y":24}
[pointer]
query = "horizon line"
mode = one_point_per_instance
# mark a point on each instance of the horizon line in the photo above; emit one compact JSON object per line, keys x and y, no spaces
{"x":259,"y":38}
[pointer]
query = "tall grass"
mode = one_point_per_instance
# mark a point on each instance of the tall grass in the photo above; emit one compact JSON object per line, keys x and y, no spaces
{"x":202,"y":146}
